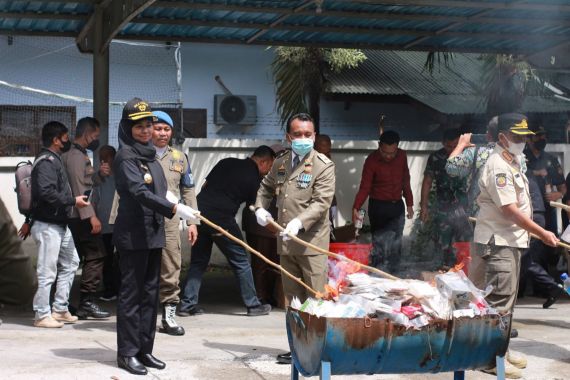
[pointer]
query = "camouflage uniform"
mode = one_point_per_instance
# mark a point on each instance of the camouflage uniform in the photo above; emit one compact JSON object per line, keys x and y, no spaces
{"x":450,"y":221}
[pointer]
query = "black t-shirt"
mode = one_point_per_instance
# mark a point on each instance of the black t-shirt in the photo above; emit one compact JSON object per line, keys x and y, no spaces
{"x":230,"y":183}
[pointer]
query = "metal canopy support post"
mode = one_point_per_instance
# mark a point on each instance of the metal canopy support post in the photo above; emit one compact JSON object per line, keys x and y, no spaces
{"x":100,"y":76}
{"x":106,"y":22}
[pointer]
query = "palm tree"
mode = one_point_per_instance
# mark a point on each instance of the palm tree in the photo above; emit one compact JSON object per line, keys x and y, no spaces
{"x":300,"y":76}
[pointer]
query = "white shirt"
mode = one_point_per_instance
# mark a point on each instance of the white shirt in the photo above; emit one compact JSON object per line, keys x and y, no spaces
{"x":160,"y":152}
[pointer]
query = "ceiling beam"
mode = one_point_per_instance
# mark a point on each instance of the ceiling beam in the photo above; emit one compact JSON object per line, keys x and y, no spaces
{"x":348,"y":30}
{"x":93,"y":2}
{"x":12,"y":32}
{"x":326,"y":45}
{"x":279,"y":20}
{"x":43,"y":16}
{"x":506,"y":5}
{"x":448,"y":27}
{"x":115,"y":15}
{"x":383,"y":15}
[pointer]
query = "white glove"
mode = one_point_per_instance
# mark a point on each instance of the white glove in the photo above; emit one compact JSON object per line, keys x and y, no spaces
{"x":292,"y":229}
{"x":171,"y":197}
{"x":263,"y":216}
{"x":187,"y":213}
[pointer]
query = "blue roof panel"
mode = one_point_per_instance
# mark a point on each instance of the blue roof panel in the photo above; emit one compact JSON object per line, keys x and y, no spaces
{"x":476,"y":25}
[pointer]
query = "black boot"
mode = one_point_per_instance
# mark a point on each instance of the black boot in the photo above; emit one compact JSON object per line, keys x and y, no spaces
{"x":89,"y":309}
{"x":169,"y":325}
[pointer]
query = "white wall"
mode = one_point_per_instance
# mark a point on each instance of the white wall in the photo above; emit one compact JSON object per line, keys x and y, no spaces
{"x":348,"y":156}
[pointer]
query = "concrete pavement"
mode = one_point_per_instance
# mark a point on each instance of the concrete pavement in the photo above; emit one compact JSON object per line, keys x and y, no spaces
{"x":225,"y":344}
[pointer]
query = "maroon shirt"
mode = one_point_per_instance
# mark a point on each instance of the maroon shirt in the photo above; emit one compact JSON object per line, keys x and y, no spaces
{"x":385,"y":181}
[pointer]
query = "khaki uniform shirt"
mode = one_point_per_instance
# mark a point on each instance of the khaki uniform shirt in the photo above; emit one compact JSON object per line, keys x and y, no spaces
{"x":304,"y":192}
{"x":502,"y":183}
{"x":178,"y":178}
{"x":80,"y":173}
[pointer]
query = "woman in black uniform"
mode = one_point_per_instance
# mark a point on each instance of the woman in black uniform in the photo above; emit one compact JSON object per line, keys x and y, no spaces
{"x":139,"y":237}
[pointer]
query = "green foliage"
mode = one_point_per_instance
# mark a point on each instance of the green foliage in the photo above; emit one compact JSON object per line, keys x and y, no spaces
{"x":342,"y":59}
{"x":300,"y":76}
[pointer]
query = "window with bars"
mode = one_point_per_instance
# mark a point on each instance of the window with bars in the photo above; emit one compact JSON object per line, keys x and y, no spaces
{"x":20,"y":127}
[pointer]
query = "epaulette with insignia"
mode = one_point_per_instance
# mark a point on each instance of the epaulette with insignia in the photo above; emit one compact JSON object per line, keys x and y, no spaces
{"x":324,"y":158}
{"x":282,"y":153}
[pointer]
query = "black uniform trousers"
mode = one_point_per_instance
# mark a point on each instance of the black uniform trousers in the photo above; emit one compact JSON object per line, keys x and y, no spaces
{"x":138,"y":301}
{"x":531,"y":267}
{"x":91,"y":250}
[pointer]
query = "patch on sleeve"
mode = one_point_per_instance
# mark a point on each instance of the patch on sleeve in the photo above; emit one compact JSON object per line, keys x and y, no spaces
{"x":501,"y":180}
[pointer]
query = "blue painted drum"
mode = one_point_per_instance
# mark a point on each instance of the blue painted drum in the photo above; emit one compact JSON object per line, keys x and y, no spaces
{"x":375,"y":346}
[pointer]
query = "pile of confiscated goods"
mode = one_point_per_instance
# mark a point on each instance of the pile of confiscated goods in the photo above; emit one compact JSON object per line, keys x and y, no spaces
{"x":411,"y":303}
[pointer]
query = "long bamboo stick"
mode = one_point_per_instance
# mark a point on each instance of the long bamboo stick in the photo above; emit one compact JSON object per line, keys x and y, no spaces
{"x":258,"y":254}
{"x":330,"y":254}
{"x":559,"y":244}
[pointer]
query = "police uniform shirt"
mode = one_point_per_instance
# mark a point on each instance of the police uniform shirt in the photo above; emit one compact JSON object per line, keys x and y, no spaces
{"x":502,"y":183}
{"x":178,"y":175}
{"x":304,"y":192}
{"x":80,"y":173}
{"x":230,"y":183}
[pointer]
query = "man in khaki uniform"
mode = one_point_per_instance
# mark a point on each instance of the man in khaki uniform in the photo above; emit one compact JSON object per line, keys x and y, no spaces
{"x":84,"y":224}
{"x":180,"y":183}
{"x":304,"y":182}
{"x":504,"y":221}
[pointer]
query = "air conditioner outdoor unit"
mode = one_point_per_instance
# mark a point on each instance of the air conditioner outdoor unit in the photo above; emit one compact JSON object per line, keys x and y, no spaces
{"x":235,"y":109}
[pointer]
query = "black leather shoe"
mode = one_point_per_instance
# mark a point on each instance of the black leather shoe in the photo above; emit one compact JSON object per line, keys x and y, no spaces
{"x":284,"y":358}
{"x":258,"y":310}
{"x":554,"y":295}
{"x":89,"y":309}
{"x":514,"y":333}
{"x":131,"y":364}
{"x":150,"y":361}
{"x":192,"y":310}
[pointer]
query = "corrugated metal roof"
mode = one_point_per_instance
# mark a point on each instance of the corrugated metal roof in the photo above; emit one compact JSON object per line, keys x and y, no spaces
{"x":452,"y":89}
{"x":457,"y":25}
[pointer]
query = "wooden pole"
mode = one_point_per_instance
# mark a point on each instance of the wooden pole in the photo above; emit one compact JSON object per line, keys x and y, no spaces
{"x":559,"y":244}
{"x":331,"y":254}
{"x":258,"y":254}
{"x":560,"y":205}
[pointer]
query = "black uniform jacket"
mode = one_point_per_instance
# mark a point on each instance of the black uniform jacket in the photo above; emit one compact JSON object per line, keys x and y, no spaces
{"x":142,"y":204}
{"x":51,"y":194}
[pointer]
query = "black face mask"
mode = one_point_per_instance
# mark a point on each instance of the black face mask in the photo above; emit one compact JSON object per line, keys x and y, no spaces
{"x":93,"y":145}
{"x":540,"y":144}
{"x":66,"y":146}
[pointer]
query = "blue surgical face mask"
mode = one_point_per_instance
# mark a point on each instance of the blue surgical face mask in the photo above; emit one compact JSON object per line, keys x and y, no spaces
{"x":302,"y":146}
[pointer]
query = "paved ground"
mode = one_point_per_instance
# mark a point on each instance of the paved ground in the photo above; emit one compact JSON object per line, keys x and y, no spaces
{"x":225,"y":344}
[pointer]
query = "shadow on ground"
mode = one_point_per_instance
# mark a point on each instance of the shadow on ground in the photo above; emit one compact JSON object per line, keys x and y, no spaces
{"x":105,"y":355}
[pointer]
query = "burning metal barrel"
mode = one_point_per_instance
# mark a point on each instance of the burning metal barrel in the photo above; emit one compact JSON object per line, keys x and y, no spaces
{"x":374,"y":346}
